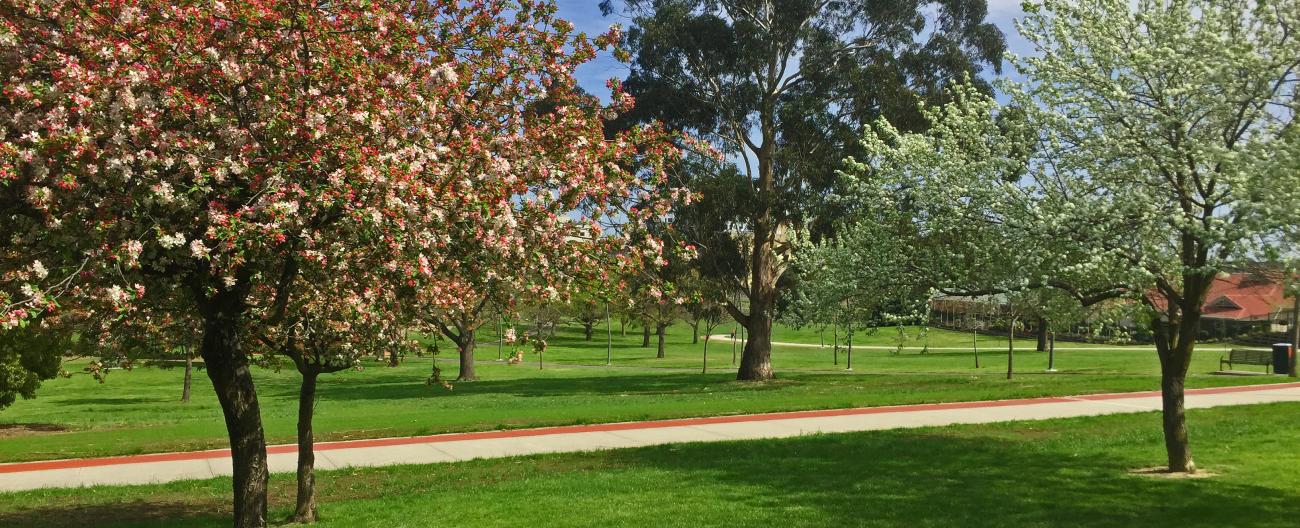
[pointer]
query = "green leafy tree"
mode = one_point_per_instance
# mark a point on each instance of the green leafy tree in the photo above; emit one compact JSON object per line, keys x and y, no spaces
{"x":783,"y":88}
{"x":27,"y":357}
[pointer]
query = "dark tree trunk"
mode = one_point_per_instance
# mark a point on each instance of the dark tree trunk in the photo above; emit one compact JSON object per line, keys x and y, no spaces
{"x":695,"y":331}
{"x":659,"y":333}
{"x":588,"y":328}
{"x":756,"y":358}
{"x":975,"y":344}
{"x":466,"y":343}
{"x":848,"y":359}
{"x":622,"y":326}
{"x":305,"y":512}
{"x":1042,"y":335}
{"x":1175,"y":358}
{"x":705,"y":368}
{"x":1295,"y":333}
{"x":835,"y":337}
{"x":733,"y":347}
{"x":1175,"y":334}
{"x":189,"y":376}
{"x":645,"y":334}
{"x":1177,"y":444}
{"x":227,"y":368}
{"x":1011,"y":346}
{"x":1051,"y":353}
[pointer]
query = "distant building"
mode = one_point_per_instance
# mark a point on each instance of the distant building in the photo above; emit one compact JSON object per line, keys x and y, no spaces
{"x":1237,"y":303}
{"x":1245,"y":302}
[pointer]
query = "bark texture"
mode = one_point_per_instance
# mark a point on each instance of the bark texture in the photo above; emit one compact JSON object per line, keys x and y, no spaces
{"x":1042,"y":335}
{"x":305,"y":511}
{"x":228,"y":371}
{"x":466,"y":342}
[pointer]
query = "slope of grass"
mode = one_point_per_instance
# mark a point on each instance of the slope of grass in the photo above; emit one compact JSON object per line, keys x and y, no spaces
{"x":137,"y":411}
{"x":1072,"y":472}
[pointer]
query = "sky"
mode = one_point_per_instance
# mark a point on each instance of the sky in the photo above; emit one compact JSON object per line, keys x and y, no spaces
{"x":585,"y":15}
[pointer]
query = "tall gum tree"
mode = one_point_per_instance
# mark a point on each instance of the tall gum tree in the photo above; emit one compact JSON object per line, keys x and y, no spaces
{"x":783,"y":88}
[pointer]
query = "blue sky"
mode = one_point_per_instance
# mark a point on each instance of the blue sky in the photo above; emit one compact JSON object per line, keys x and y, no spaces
{"x":585,"y":14}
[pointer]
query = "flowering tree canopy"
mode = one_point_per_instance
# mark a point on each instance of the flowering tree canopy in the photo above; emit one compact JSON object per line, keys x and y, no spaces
{"x":214,"y":155}
{"x":1154,"y":145}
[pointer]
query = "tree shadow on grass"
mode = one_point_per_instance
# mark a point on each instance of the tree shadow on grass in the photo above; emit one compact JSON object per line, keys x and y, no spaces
{"x":109,"y":400}
{"x":139,"y":512}
{"x":902,"y":478}
{"x":936,"y":477}
{"x":640,"y":384}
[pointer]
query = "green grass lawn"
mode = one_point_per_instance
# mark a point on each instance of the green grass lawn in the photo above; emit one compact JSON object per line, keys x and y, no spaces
{"x":137,"y":411}
{"x":1071,"y":472}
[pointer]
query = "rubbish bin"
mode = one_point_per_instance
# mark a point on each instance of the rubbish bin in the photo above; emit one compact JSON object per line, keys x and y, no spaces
{"x":1283,"y":354}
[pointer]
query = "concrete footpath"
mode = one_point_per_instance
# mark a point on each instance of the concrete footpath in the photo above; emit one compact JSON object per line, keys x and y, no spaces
{"x":167,"y":467}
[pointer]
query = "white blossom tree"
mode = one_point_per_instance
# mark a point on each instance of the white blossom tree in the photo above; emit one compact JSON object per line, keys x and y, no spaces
{"x":1153,"y":145}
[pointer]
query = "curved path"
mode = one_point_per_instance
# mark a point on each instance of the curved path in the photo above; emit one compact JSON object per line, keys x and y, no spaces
{"x":167,"y":467}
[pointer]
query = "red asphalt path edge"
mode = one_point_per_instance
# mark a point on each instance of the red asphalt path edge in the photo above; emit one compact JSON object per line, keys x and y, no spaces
{"x":19,"y":467}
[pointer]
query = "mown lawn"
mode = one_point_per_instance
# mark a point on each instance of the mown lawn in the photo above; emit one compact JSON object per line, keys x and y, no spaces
{"x":137,"y":411}
{"x":1072,"y":472}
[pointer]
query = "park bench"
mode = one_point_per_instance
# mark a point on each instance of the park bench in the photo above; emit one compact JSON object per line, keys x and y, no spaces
{"x":1248,"y":357}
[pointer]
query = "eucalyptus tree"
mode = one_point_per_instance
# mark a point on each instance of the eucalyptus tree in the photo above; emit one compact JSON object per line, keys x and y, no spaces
{"x":782,"y":89}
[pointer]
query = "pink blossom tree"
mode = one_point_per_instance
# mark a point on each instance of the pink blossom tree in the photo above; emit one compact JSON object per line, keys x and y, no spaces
{"x":204,"y":150}
{"x":212,"y":156}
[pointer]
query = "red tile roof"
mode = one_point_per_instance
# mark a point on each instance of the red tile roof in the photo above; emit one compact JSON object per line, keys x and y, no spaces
{"x":1245,"y":297}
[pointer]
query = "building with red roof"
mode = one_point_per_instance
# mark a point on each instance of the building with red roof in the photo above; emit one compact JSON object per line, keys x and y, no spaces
{"x":1247,"y":297}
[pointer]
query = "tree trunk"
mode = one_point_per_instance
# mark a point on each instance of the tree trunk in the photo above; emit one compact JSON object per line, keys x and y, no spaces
{"x":645,"y":334}
{"x":468,"y":340}
{"x":848,"y":359}
{"x":695,"y":331}
{"x":1051,"y":354}
{"x":1295,"y":333}
{"x":227,"y":368}
{"x":733,"y":346}
{"x":756,"y":358}
{"x":1175,"y":335}
{"x":622,"y":326}
{"x":659,"y":333}
{"x":705,"y":368}
{"x":1011,"y":346}
{"x":189,"y":376}
{"x":305,"y":512}
{"x":975,"y":344}
{"x":588,"y":328}
{"x":1042,"y":335}
{"x":1177,"y":445}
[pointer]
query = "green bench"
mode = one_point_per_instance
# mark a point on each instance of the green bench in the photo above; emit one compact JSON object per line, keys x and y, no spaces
{"x":1249,"y":357}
